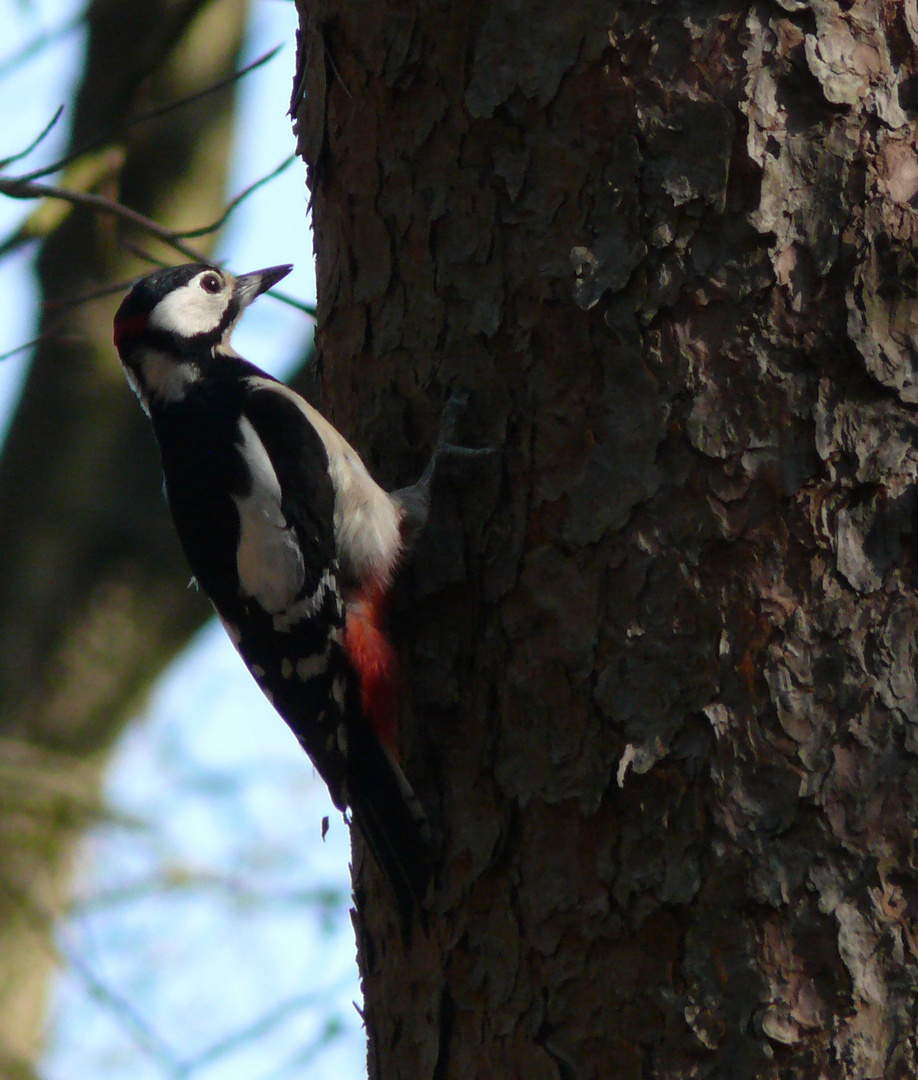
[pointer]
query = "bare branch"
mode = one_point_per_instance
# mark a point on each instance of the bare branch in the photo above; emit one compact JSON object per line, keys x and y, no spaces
{"x":263,"y":1026}
{"x":290,"y":301}
{"x":22,"y":348}
{"x":154,"y":114}
{"x":306,"y":1053}
{"x":235,"y":888}
{"x":87,"y":173}
{"x":131,"y":1021}
{"x":231,"y":206}
{"x":38,"y":138}
{"x":87,"y":298}
{"x":142,"y":254}
{"x":18,"y":188}
{"x":43,"y":923}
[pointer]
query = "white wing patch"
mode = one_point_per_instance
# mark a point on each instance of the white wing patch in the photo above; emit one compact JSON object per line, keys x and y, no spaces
{"x":306,"y":606}
{"x":367,"y":536}
{"x":268,"y":559}
{"x":311,"y":666}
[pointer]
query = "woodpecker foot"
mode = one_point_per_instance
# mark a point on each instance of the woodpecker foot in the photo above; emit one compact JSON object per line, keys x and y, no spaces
{"x":415,"y":500}
{"x":445,"y":446}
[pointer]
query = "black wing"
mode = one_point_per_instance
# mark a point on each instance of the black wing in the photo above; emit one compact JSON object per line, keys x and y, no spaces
{"x":300,"y":462}
{"x":313,"y":685}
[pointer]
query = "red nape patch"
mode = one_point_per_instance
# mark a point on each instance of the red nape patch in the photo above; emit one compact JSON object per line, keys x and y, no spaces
{"x":374,"y":660}
{"x":127,"y":329}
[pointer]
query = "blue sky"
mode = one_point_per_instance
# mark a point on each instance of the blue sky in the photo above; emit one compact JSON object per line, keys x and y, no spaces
{"x":200,"y":908}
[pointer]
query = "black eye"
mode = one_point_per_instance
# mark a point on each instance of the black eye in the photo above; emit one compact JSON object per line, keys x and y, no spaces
{"x":211,"y":283}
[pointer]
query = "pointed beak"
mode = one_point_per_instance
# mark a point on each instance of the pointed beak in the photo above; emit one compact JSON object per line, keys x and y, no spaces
{"x":250,"y":286}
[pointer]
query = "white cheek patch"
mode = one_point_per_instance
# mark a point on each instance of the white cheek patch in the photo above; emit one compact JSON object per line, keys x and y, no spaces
{"x":268,"y":559}
{"x":165,"y":378}
{"x":189,"y":310}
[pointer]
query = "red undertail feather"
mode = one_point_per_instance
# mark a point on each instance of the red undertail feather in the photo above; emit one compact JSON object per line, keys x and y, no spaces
{"x":374,"y":660}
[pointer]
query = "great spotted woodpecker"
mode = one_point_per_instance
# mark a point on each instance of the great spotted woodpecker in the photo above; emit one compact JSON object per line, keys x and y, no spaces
{"x":290,"y":537}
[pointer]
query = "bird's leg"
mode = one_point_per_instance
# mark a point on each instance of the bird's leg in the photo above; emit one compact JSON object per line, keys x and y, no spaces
{"x":414,"y":501}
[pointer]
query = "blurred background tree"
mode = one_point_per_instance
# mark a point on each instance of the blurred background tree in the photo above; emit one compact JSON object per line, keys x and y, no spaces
{"x":664,"y":654}
{"x":94,"y":582}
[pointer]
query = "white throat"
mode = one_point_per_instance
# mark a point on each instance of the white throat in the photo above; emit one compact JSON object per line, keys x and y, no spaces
{"x":163,"y":378}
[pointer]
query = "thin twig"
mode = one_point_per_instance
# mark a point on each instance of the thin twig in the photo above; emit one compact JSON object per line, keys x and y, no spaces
{"x":102,"y":140}
{"x":261,"y":1027}
{"x":87,"y":298}
{"x":132,"y":1022}
{"x":191,"y":234}
{"x":236,"y":888}
{"x":42,"y":135}
{"x":141,"y":253}
{"x":290,"y":301}
{"x":18,"y":188}
{"x":21,"y":348}
{"x":43,"y":922}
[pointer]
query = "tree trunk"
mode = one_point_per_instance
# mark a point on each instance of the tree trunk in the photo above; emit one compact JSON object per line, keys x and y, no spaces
{"x":661,"y":651}
{"x":92,"y":592}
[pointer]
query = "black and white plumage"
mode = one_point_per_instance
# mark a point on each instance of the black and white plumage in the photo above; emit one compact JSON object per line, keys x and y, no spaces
{"x":291,"y":539}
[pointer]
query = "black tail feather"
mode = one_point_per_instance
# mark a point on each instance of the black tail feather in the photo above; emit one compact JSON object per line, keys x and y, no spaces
{"x":391,"y":821}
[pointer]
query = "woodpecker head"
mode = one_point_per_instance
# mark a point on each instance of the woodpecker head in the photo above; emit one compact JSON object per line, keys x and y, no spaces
{"x":174,"y":320}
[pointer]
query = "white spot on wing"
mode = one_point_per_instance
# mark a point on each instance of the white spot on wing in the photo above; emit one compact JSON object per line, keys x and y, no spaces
{"x":310,"y":666}
{"x":306,"y":607}
{"x":366,"y":519}
{"x":338,"y":692}
{"x":286,"y":668}
{"x":268,"y":559}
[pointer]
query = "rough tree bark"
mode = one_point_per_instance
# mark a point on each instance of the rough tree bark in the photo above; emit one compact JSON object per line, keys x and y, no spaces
{"x":661,"y":659}
{"x":92,"y":590}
